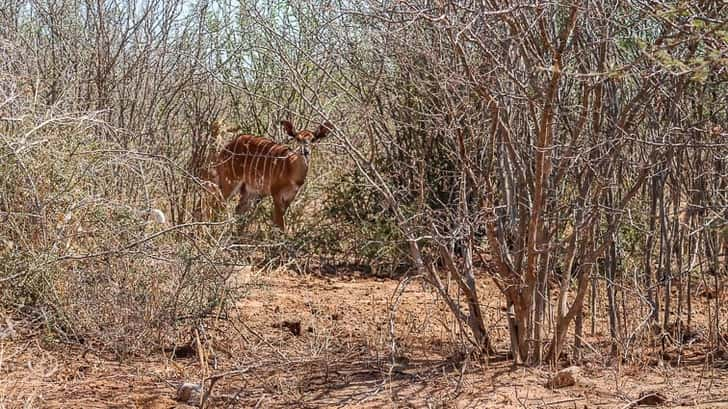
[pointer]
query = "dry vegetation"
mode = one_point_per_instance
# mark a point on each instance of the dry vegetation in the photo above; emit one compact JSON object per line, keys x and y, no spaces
{"x":342,"y":358}
{"x":510,"y":190}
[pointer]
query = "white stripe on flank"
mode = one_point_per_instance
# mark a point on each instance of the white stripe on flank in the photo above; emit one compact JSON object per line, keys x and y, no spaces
{"x":255,"y":172}
{"x":263,"y":177}
{"x":269,"y":175}
{"x":236,"y":189}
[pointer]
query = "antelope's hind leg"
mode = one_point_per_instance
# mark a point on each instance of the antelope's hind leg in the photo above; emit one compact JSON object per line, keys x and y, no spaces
{"x":244,"y":203}
{"x":247,"y":201}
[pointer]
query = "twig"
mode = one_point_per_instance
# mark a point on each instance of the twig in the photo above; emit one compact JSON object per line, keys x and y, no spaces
{"x":135,"y":243}
{"x":459,"y":386}
{"x":630,"y":404}
{"x":722,"y":400}
{"x":558,"y":402}
{"x":214,"y":378}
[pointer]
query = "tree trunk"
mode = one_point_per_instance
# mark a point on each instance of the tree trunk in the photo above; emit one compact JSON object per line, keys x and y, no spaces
{"x":649,"y":280}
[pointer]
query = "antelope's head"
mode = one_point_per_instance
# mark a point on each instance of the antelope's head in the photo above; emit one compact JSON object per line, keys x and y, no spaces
{"x":306,"y":137}
{"x":208,"y":173}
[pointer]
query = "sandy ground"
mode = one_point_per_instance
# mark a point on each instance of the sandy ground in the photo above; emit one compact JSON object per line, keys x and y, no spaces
{"x":318,"y":342}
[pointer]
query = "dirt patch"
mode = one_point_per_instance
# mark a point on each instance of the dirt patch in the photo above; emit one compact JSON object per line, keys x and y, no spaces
{"x":341,"y":354}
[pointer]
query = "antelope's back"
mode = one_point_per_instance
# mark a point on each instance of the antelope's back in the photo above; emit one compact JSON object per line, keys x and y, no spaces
{"x":259,"y":163}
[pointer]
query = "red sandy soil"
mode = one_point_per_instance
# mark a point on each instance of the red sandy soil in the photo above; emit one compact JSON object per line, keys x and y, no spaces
{"x":341,"y":358}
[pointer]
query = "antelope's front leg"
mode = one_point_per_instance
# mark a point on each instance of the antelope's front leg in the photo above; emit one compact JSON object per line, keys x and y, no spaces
{"x":279,"y":209}
{"x":281,"y":200}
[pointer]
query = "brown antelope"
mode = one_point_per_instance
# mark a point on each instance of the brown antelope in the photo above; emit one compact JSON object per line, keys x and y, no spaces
{"x":253,"y":167}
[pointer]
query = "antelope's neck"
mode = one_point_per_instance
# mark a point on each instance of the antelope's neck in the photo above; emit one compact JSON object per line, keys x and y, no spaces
{"x":304,"y":151}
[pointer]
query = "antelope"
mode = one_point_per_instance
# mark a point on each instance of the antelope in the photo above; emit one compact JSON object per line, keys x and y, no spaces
{"x":253,"y":167}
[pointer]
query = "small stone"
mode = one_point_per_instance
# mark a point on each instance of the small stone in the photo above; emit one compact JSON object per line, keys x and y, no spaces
{"x":158,"y":216}
{"x":293,"y":326}
{"x":563,"y":378}
{"x":650,"y":398}
{"x":188,"y":393}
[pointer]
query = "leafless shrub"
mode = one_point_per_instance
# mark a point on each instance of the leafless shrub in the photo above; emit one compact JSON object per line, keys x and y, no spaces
{"x":567,"y":156}
{"x":519,"y":141}
{"x":95,"y":196}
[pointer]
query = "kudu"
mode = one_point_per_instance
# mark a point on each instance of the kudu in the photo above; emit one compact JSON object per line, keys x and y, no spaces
{"x":253,"y":167}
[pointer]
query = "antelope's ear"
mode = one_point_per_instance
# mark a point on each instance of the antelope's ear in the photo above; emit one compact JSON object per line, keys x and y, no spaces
{"x":323,"y":130}
{"x":288,"y":127}
{"x":233,"y":129}
{"x":215,"y":127}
